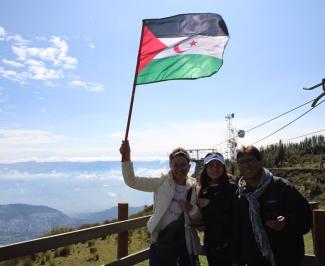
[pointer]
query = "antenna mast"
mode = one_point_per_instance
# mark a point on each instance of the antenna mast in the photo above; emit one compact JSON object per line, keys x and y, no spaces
{"x":231,"y":138}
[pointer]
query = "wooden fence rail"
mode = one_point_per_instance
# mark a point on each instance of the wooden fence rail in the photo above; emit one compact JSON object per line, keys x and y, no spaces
{"x":52,"y":242}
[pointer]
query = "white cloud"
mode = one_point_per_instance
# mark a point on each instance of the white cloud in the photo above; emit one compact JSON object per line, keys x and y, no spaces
{"x":111,"y":194}
{"x":12,"y":63}
{"x":14,"y":175}
{"x":2,"y":33}
{"x":91,"y":45}
{"x":87,"y":85}
{"x":78,"y":83}
{"x":35,"y":70}
{"x":66,"y":174}
{"x":61,"y":44}
{"x":146,"y":144}
{"x":43,"y":73}
{"x":47,"y":54}
{"x":40,"y":38}
{"x":18,"y":39}
{"x":48,"y":61}
{"x":156,"y":143}
{"x":27,"y":137}
{"x":13,"y":75}
{"x":20,"y":52}
{"x":66,"y":61}
{"x":32,"y":62}
{"x":56,"y":55}
{"x":57,"y":152}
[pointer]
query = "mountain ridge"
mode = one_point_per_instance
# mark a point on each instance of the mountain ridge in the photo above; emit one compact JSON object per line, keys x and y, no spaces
{"x":21,"y":222}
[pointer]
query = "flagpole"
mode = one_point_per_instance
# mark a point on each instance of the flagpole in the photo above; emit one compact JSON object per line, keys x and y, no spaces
{"x":133,"y":89}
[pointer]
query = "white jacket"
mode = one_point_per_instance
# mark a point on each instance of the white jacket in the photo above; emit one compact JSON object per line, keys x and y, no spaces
{"x":164,"y":190}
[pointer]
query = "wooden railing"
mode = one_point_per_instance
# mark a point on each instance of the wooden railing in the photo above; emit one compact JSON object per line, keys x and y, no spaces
{"x":52,"y":242}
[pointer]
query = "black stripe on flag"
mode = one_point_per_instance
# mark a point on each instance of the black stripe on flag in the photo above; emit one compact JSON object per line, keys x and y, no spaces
{"x":208,"y":24}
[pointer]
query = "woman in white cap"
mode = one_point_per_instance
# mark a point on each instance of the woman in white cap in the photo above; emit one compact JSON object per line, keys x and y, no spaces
{"x":217,"y":201}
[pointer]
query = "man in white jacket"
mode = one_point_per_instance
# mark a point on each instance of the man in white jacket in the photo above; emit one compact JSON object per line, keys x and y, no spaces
{"x":170,"y":202}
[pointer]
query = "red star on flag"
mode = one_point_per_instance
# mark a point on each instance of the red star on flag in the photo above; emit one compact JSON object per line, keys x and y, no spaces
{"x":193,"y":43}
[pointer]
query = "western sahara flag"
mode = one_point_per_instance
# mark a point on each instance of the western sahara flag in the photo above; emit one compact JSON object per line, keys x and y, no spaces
{"x":187,"y":46}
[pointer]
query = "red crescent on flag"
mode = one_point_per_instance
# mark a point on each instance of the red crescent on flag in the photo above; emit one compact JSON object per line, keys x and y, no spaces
{"x":177,"y":49}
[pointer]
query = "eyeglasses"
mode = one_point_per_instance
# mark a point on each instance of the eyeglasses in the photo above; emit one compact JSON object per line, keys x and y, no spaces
{"x":178,"y":166}
{"x":249,"y":161}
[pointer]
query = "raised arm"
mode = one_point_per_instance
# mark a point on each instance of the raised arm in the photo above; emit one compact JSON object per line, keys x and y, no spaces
{"x":125,"y":151}
{"x":148,"y":184}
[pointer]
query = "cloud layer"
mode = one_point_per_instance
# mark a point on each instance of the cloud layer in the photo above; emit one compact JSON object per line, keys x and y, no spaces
{"x":41,"y":59}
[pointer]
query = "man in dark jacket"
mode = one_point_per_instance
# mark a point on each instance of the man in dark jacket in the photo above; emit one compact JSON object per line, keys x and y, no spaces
{"x":273,"y":215}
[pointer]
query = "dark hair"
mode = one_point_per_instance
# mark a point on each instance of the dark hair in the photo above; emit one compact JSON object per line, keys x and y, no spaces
{"x":249,"y":150}
{"x":204,"y":178}
{"x":179,"y":152}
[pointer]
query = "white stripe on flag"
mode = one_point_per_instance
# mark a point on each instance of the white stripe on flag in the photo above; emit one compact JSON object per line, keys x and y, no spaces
{"x":195,"y":44}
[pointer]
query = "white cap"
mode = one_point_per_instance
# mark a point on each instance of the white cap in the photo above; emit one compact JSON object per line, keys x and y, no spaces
{"x":214,"y":156}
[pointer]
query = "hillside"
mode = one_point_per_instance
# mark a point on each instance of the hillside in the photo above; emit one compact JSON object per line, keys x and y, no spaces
{"x":92,"y":252}
{"x":20,"y":222}
{"x":101,"y":216}
{"x":310,"y":182}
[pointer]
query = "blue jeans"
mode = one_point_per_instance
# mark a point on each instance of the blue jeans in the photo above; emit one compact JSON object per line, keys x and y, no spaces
{"x":155,"y":260}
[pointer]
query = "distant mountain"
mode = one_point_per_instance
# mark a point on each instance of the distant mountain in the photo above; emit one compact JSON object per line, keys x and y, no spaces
{"x":101,"y":216}
{"x":74,"y":187}
{"x":19,"y":222}
{"x":22,"y":211}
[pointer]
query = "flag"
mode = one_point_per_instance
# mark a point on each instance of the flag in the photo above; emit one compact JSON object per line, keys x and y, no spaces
{"x":187,"y":46}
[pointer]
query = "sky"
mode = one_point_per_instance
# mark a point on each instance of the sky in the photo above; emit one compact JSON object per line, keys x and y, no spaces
{"x":67,"y":69}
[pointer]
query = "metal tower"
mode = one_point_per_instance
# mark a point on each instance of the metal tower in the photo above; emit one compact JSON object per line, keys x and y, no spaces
{"x":231,"y":138}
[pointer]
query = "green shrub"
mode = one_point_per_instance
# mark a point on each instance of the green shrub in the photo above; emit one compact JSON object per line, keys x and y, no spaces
{"x":60,"y":230}
{"x":93,"y":250}
{"x":91,"y":243}
{"x":62,"y":252}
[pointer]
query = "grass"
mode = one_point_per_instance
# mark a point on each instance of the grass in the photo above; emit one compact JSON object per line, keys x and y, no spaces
{"x":101,"y":251}
{"x":203,"y":261}
{"x":309,"y":247}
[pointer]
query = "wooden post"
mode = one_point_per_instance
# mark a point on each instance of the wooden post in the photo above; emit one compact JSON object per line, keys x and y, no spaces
{"x":319,"y":236}
{"x":122,"y":238}
{"x":314,"y":205}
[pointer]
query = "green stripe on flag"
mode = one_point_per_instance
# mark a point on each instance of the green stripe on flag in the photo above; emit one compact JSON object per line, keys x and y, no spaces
{"x":190,"y":66}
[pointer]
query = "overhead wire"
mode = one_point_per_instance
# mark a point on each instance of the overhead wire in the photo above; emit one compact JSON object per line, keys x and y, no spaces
{"x":271,"y":134}
{"x":295,"y":108}
{"x":220,"y":143}
{"x":304,"y":135}
{"x":279,"y":116}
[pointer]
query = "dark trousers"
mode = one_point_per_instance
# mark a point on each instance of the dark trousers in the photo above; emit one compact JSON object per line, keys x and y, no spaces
{"x":218,"y":256}
{"x":262,"y":261}
{"x":291,"y":263}
{"x":155,"y":260}
{"x":266,"y":263}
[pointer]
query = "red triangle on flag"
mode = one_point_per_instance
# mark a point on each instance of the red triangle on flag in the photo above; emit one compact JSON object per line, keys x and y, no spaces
{"x":149,"y":48}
